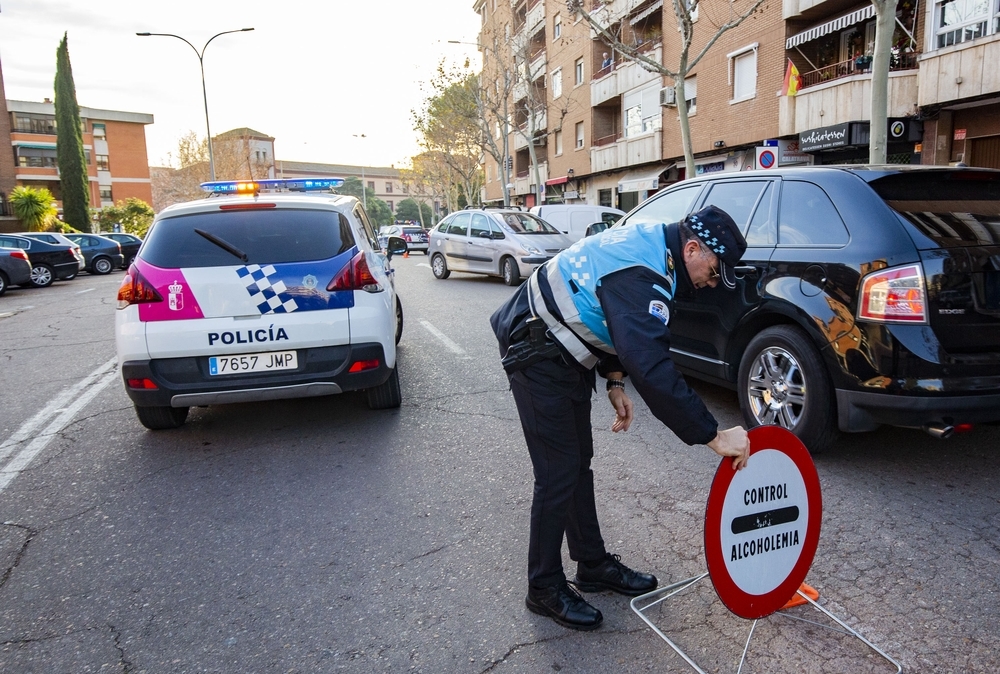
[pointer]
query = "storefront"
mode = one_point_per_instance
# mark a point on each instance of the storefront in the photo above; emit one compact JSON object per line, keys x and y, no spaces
{"x":848,"y":143}
{"x":637,"y":186}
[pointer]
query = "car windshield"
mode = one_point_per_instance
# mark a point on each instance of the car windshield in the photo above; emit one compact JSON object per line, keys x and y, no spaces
{"x":267,"y":237}
{"x":522,"y":223}
{"x":950,"y":208}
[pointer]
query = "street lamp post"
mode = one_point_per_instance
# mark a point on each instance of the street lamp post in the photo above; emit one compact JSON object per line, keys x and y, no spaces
{"x":204,"y":92}
{"x":364,"y":188}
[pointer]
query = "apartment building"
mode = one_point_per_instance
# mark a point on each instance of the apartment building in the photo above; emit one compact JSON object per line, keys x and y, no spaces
{"x":592,"y":127}
{"x":383,"y":181}
{"x":114,"y":144}
{"x":8,"y":179}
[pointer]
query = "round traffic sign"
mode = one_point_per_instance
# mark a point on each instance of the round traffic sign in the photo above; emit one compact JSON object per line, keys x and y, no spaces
{"x":766,"y":159}
{"x":762,"y":524}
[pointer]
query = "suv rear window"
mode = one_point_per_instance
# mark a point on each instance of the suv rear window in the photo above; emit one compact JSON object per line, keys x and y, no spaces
{"x":956,"y":208}
{"x":267,"y":237}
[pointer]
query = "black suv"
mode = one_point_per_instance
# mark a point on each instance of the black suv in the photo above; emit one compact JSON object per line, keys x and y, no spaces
{"x":49,"y":261}
{"x":129,"y":242}
{"x":867,"y":296}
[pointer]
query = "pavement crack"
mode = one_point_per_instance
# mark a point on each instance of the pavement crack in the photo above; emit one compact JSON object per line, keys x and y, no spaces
{"x":524,"y":644}
{"x":29,"y":537}
{"x":122,"y":660}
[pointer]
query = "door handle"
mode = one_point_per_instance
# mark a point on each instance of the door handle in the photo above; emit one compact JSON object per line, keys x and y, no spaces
{"x":746,"y":269}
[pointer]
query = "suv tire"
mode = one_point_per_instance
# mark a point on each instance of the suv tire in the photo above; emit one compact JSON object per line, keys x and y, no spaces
{"x":101,"y":266}
{"x":399,"y":320}
{"x":782,"y":381}
{"x":387,"y":394}
{"x":161,"y":418}
{"x":439,"y":266}
{"x":511,"y":274}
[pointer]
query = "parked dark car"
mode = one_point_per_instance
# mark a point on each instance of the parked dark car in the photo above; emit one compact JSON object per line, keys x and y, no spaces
{"x":867,"y":296}
{"x":58,"y":239}
{"x":100,"y":254}
{"x":49,"y":261}
{"x":130,"y":244}
{"x":14,"y":268}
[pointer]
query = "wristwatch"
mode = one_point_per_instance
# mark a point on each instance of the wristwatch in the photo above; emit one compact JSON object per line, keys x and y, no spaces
{"x":615,"y":383}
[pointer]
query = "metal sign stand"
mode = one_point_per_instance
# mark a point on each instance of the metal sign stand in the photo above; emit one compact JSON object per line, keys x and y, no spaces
{"x":661,"y":594}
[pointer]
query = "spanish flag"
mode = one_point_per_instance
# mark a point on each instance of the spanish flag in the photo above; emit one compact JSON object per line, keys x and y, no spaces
{"x":791,"y":86}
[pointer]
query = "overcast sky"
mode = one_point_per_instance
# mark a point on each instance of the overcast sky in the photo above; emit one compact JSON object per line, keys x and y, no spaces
{"x":312,"y":73}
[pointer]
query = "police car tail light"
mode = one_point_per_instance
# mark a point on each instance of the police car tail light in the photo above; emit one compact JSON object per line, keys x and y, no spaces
{"x":362,"y":365}
{"x":355,"y":276}
{"x":894,"y":296}
{"x":136,"y":290}
{"x":143,"y":384}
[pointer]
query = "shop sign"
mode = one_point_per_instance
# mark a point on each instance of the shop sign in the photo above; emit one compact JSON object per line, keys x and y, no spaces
{"x":824,"y":138}
{"x":959,"y":134}
{"x":714,"y":167}
{"x":789,"y":153}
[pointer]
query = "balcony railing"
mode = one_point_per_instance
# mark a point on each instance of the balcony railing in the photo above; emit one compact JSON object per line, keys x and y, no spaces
{"x":858,"y":66}
{"x":607,"y":140}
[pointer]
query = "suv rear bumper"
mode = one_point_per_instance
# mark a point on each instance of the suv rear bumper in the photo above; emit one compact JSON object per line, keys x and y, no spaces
{"x":864,"y":411}
{"x":185,"y":382}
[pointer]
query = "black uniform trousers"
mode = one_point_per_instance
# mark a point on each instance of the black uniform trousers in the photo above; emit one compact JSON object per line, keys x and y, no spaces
{"x":556,"y":424}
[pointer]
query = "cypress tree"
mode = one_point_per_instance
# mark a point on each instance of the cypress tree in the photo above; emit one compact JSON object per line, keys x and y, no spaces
{"x":69,"y":145}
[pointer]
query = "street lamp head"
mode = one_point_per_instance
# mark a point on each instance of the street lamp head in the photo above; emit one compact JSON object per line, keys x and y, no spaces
{"x":143,"y":34}
{"x":243,"y":30}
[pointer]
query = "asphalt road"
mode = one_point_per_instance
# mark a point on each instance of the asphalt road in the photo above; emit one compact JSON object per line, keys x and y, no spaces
{"x":319,"y":536}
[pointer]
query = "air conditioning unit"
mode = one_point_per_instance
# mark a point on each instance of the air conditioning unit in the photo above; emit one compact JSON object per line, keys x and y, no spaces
{"x":539,"y":141}
{"x":668,"y":96}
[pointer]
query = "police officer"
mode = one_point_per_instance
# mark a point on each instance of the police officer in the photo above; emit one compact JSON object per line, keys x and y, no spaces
{"x":604,"y":303}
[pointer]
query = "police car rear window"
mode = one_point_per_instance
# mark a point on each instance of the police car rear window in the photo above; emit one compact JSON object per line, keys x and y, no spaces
{"x":267,"y":237}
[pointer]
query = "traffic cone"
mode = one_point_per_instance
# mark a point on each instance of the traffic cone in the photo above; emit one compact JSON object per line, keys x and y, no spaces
{"x":797,"y":599}
{"x":406,"y":254}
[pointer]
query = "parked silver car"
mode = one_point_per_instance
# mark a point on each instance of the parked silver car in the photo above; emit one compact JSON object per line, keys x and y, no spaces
{"x":504,"y":243}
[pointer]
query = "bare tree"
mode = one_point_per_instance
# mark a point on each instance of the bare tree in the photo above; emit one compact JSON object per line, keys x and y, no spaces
{"x":684,"y":13}
{"x":493,"y":101}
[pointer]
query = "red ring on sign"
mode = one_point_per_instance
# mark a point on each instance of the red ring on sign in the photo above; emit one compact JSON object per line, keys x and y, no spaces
{"x":743,"y":604}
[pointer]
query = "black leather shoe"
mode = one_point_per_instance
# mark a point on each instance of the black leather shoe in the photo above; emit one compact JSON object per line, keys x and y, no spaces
{"x":565,"y":606}
{"x":611,"y":574}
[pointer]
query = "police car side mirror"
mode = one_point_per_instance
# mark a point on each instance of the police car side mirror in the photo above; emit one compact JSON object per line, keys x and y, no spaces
{"x":395,"y":246}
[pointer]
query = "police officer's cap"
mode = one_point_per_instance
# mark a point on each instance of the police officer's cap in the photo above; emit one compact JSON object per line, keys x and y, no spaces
{"x":719,"y":234}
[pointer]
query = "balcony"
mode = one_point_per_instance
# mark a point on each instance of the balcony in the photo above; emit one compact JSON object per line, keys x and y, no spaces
{"x":845,"y":98}
{"x":623,"y":77}
{"x":537,"y":66}
{"x":611,"y":13}
{"x":535,"y":16}
{"x":615,"y":152}
{"x":525,"y":180}
{"x":956,"y":72}
{"x":799,"y":9}
{"x":852,"y":67}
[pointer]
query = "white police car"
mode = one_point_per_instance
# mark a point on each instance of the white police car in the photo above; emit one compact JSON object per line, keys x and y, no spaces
{"x":254,"y":295}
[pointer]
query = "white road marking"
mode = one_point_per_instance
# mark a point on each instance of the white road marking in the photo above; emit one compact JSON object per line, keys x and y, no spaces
{"x":6,"y":314}
{"x":423,"y":264}
{"x":63,"y":407}
{"x":84,"y":291}
{"x":452,"y":346}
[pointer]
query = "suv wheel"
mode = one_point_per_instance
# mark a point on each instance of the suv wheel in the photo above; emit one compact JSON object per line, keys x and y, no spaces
{"x":101,"y":266}
{"x":161,"y":418}
{"x":42,"y":276}
{"x":386,"y":395}
{"x":399,"y":320}
{"x":439,"y":267}
{"x":511,"y":274}
{"x":782,"y":381}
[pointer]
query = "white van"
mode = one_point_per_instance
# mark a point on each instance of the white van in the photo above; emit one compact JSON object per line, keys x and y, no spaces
{"x":573,"y":219}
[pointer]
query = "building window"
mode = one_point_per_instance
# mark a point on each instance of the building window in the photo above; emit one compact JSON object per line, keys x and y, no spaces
{"x":106,"y":195}
{"x":371,"y":185}
{"x":556,"y":27}
{"x":388,"y":188}
{"x":743,"y":73}
{"x":391,"y":207}
{"x":642,"y":113}
{"x":579,"y":135}
{"x":691,"y":93}
{"x":102,"y":162}
{"x":99,"y":131}
{"x":28,"y":123}
{"x":558,"y":142}
{"x":578,"y":69}
{"x":36,"y":158}
{"x":957,"y":21}
{"x":557,"y":83}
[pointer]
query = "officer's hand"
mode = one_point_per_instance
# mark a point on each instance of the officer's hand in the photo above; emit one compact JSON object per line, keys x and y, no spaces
{"x":733,"y":442}
{"x":623,"y":409}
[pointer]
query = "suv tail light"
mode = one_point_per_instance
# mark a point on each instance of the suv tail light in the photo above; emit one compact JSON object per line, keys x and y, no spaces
{"x":355,"y":276}
{"x":20,"y":255}
{"x":894,"y":296}
{"x":136,"y":290}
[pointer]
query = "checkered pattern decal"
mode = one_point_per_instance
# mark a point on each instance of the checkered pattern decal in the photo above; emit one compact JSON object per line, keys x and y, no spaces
{"x":266,"y":290}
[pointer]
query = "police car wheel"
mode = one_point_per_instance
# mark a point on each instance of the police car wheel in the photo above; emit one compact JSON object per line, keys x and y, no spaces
{"x":386,"y":395}
{"x":399,"y":320}
{"x":440,"y":267}
{"x":161,"y":418}
{"x":782,"y":381}
{"x":511,"y":274}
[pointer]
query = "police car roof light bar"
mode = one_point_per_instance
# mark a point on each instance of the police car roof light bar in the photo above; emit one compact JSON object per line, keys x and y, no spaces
{"x":272,"y":185}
